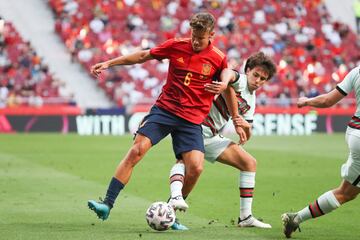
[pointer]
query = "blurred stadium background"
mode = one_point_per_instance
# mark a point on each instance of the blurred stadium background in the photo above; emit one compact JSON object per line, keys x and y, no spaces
{"x":46,"y":49}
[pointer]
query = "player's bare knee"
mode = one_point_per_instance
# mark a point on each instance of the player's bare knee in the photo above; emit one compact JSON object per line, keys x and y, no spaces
{"x":344,"y":195}
{"x":249,"y":165}
{"x":136,"y":152}
{"x":252,"y":164}
{"x":349,"y":196}
{"x":194,"y":171}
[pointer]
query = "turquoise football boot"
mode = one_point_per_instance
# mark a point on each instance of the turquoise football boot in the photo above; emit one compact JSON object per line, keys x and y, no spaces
{"x":178,"y":226}
{"x":101,"y":209}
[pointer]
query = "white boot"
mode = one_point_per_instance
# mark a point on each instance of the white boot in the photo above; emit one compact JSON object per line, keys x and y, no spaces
{"x":251,"y":221}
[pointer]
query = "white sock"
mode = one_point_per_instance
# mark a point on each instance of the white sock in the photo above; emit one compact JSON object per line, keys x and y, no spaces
{"x":177,"y":174}
{"x":246,"y":185}
{"x":323,"y":205}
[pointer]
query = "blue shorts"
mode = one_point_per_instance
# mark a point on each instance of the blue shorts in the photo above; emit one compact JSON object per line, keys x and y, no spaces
{"x":186,"y":136}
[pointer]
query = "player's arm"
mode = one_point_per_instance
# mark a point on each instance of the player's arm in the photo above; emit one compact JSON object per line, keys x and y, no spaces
{"x":130,"y":59}
{"x":240,"y":124}
{"x":322,"y":101}
{"x":232,"y":105}
{"x":244,"y":124}
{"x":230,"y":76}
{"x":226,"y":76}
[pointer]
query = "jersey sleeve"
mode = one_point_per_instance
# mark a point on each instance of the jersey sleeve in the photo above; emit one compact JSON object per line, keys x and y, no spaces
{"x":347,"y":84}
{"x":224,"y":63}
{"x":222,"y":66}
{"x":163,"y":50}
{"x":235,"y":84}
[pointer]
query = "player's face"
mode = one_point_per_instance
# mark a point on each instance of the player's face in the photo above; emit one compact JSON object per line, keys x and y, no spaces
{"x":200,"y":39}
{"x":256,"y":77}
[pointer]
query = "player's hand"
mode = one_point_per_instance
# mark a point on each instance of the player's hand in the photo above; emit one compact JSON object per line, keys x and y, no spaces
{"x":242,"y":135}
{"x":241,"y":122}
{"x":98,"y":68}
{"x":302,"y":102}
{"x":215,"y":87}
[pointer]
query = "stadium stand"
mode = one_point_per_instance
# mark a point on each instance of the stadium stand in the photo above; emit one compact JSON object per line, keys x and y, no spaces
{"x":312,"y":51}
{"x":25,"y":79}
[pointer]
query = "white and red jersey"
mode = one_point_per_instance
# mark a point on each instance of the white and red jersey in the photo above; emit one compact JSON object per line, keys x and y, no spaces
{"x":219,"y":114}
{"x":352,"y":82}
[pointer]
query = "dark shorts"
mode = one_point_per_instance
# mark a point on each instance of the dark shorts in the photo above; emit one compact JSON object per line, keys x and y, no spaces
{"x":159,"y":123}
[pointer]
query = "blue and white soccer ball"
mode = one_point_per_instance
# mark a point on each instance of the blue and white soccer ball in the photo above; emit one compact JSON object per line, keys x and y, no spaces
{"x":160,"y":216}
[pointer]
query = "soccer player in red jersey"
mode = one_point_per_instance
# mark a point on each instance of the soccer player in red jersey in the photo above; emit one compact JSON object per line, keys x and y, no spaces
{"x":183,"y":104}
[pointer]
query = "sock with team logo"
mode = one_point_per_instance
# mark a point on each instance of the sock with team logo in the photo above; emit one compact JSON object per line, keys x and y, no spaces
{"x":323,"y":205}
{"x":177,"y":174}
{"x":246,"y":186}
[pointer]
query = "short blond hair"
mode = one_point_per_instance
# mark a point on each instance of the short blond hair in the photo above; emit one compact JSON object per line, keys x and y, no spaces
{"x":202,"y":21}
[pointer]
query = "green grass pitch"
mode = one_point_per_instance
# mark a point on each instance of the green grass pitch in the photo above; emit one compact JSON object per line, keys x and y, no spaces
{"x":46,"y":180}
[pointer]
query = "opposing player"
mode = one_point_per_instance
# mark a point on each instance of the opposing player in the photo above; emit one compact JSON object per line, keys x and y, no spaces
{"x":350,"y":171}
{"x":183,"y":104}
{"x":258,"y":70}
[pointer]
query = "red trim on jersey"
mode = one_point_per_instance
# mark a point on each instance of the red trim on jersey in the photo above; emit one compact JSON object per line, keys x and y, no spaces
{"x":354,"y":122}
{"x":209,"y":122}
{"x":243,"y":105}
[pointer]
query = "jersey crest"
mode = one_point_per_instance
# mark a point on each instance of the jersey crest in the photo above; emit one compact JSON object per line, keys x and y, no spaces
{"x":206,"y":69}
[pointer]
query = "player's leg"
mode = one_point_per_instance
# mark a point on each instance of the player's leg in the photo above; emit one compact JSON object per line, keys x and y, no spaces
{"x":177,"y":176}
{"x":329,"y":201}
{"x":237,"y":157}
{"x":153,"y":128}
{"x":140,"y":147}
{"x":324,"y":204}
{"x":347,"y":191}
{"x":176,"y":200}
{"x":122,"y":175}
{"x":189,"y":147}
{"x":181,"y":184}
{"x":194,"y":161}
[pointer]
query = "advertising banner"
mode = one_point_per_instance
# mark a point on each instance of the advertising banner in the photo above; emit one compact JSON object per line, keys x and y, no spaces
{"x":265,"y":123}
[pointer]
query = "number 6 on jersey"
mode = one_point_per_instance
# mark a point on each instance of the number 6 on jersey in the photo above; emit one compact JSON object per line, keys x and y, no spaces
{"x":187,"y":79}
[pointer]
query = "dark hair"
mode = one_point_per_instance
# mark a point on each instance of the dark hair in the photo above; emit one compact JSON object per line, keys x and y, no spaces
{"x":202,"y":21}
{"x":259,"y":59}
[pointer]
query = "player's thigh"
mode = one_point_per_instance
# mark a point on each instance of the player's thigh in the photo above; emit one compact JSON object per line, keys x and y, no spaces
{"x":236,"y":156}
{"x":350,"y":171}
{"x":141,"y":144}
{"x":354,"y":144}
{"x":156,"y":125}
{"x":186,"y":138}
{"x":194,"y":162}
{"x":214,"y":146}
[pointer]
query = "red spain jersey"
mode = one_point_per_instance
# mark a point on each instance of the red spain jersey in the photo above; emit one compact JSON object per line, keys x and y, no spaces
{"x":184,"y":93}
